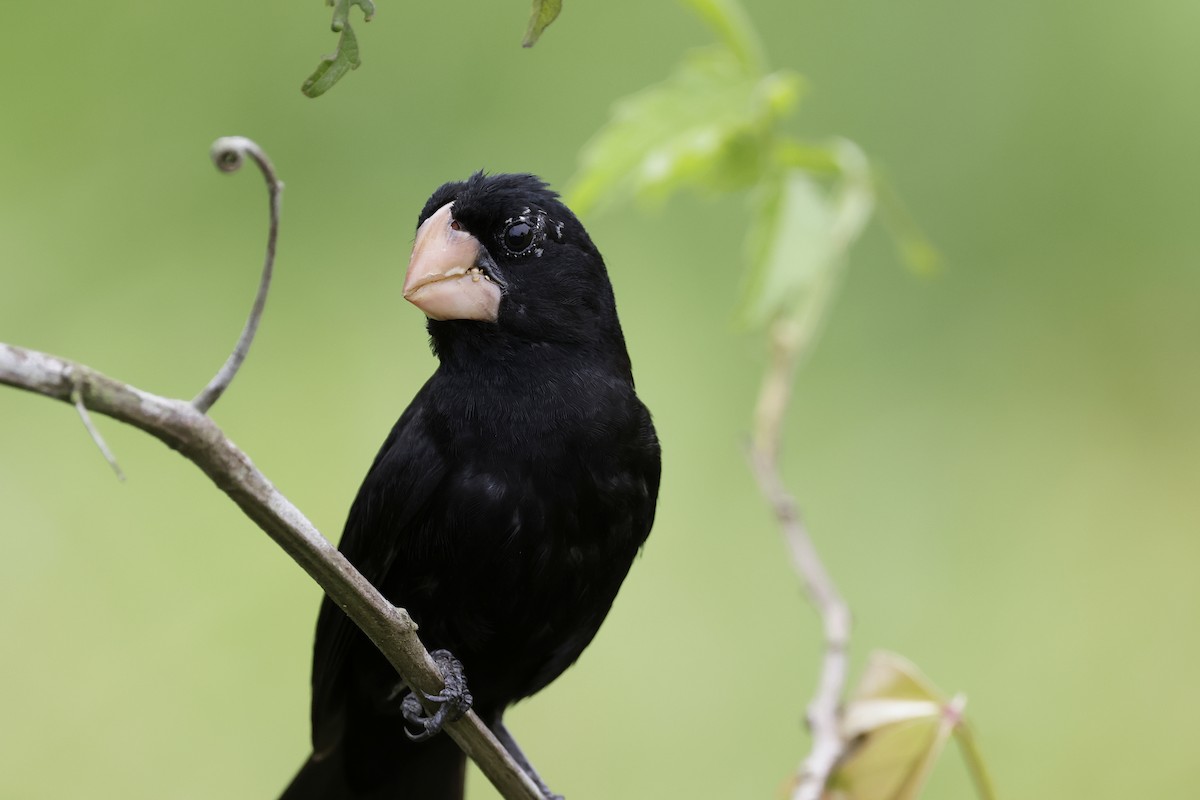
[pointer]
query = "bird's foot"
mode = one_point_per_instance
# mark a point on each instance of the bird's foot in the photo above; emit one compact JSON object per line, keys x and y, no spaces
{"x":450,"y":704}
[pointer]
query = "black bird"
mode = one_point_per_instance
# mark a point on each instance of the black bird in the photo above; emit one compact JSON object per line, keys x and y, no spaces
{"x":508,"y":502}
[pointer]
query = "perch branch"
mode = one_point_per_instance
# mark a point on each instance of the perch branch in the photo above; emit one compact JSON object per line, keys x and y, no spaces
{"x":789,"y":344}
{"x":228,"y":154}
{"x":184,"y":428}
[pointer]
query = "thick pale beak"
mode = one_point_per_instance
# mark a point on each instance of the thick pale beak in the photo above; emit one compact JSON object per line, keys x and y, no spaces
{"x":445,"y":279}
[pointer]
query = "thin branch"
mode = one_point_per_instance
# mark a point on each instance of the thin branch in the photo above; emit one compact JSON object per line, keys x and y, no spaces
{"x":823,"y":713}
{"x":789,"y":343}
{"x":182,"y":427}
{"x":228,"y":154}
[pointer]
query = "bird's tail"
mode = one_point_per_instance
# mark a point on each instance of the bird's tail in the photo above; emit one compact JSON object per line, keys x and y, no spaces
{"x":432,"y":770}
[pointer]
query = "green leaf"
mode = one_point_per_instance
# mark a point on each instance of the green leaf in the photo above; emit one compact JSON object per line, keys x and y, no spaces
{"x":916,"y":250}
{"x":729,"y":21}
{"x":815,"y":159}
{"x":799,"y":236}
{"x":706,"y":126}
{"x":345,"y":58}
{"x":341,"y":12}
{"x":544,"y":12}
{"x":789,"y":246}
{"x":335,"y":65}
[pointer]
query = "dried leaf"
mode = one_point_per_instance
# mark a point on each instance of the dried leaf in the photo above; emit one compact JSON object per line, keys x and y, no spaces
{"x":898,"y":723}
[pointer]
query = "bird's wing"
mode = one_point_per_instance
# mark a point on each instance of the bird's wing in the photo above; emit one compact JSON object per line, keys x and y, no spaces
{"x":404,"y":475}
{"x":648,"y":457}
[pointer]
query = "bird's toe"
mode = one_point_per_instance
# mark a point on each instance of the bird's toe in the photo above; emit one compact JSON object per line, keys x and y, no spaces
{"x":448,"y":705}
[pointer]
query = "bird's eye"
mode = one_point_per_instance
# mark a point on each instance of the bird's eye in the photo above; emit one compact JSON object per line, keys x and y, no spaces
{"x":518,"y":237}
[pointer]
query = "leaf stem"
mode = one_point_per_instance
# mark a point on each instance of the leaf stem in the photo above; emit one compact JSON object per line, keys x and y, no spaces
{"x":975,"y":763}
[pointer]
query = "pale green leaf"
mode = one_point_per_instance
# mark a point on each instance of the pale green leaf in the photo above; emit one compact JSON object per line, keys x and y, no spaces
{"x":543,"y":13}
{"x":815,"y":159}
{"x":799,"y":235}
{"x":729,"y":21}
{"x":853,"y":194}
{"x":704,"y":127}
{"x":789,"y":245}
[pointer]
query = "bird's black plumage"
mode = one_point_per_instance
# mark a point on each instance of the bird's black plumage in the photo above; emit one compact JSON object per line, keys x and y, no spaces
{"x":506,"y":505}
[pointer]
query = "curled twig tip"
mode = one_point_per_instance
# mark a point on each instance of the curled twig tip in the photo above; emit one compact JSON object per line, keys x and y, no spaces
{"x":228,"y":154}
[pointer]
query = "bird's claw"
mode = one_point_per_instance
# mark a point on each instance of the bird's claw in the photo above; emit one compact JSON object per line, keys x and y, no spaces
{"x":452,"y":702}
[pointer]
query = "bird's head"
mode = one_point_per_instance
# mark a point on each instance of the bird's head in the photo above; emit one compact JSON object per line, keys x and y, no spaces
{"x":500,"y":257}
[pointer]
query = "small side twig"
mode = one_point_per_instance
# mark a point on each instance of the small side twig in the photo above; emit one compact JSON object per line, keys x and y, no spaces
{"x":228,"y":154}
{"x":789,"y":343}
{"x":77,"y":401}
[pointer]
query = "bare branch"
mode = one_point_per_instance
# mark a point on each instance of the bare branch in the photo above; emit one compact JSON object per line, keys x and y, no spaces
{"x":789,"y":343}
{"x":228,"y":154}
{"x":185,"y":428}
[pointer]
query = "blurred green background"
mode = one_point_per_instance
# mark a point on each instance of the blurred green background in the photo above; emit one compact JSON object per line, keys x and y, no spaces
{"x":1000,"y":463}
